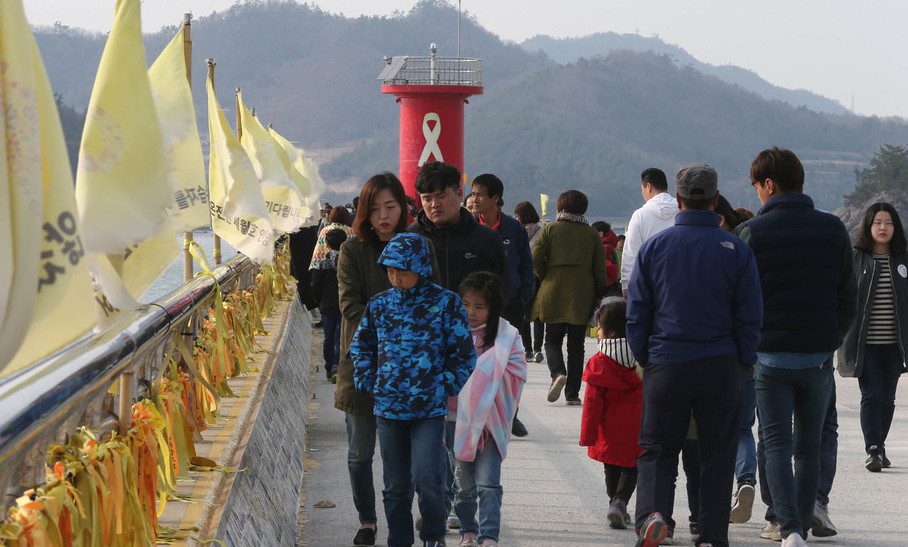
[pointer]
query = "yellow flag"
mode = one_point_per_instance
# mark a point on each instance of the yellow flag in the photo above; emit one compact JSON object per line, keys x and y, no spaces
{"x":121,"y":184}
{"x":304,"y":173}
{"x":44,"y":284}
{"x":176,"y":115}
{"x":284,"y":203}
{"x":238,"y":211}
{"x":544,"y":202}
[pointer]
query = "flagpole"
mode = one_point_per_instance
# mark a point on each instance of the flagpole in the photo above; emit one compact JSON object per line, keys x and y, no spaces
{"x":187,"y":53}
{"x":217,"y":238}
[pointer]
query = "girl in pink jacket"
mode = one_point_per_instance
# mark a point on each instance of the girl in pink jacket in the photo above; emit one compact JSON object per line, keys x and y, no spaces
{"x":485,"y":409}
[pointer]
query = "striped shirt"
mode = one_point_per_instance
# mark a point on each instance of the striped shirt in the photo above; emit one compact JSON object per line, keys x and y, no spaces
{"x":881,"y":328}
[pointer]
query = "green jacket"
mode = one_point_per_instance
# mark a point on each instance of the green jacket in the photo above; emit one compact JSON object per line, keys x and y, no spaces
{"x":359,"y":278}
{"x":569,"y":260}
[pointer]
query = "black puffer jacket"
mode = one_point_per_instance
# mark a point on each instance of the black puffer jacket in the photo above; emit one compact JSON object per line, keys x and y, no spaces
{"x":463,"y":248}
{"x":851,"y":355}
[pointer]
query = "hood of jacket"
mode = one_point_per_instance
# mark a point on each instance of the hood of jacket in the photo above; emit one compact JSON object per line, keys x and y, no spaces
{"x":662,"y":206}
{"x":408,"y":251}
{"x":609,"y":239}
{"x":618,"y":350}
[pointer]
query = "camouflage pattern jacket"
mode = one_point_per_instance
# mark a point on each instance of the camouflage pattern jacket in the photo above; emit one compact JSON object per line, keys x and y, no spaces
{"x":412,"y":349}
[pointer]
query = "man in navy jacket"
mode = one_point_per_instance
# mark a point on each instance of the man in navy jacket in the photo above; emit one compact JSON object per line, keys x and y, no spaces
{"x":694,"y":315}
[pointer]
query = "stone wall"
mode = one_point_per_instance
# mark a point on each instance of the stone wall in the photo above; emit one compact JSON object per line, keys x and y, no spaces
{"x":262,"y":505}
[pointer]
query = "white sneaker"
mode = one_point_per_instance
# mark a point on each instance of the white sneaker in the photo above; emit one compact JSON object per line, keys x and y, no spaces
{"x":794,"y":540}
{"x":771,"y":532}
{"x":744,"y":504}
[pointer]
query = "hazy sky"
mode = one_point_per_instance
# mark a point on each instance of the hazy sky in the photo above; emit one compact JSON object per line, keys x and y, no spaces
{"x":838,"y":48}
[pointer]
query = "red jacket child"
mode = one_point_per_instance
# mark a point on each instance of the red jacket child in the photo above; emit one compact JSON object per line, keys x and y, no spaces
{"x":610,"y":242}
{"x":612,"y":405}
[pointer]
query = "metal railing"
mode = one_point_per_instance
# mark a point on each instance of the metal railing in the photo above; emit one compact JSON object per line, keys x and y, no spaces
{"x":48,"y":401}
{"x":431,"y":70}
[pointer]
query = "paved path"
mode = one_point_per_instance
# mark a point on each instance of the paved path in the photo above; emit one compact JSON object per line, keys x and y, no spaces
{"x":555,"y":495}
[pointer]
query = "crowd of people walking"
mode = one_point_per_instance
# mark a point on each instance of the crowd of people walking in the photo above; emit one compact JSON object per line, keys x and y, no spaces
{"x":709,"y":320}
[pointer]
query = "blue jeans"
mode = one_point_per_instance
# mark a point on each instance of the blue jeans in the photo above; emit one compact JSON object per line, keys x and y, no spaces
{"x":829,"y":449}
{"x":481,"y":477}
{"x":449,"y":459}
{"x":411,"y":452}
{"x":331,"y":324}
{"x":746,"y":462}
{"x":803,"y":394}
{"x":360,"y":450}
{"x":878,"y":382}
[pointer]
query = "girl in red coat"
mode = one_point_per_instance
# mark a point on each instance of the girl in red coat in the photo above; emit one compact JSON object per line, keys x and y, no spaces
{"x":612,"y":406}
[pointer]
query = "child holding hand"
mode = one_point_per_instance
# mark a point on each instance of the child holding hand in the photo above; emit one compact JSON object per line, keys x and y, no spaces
{"x":485,"y":410}
{"x":610,"y":423}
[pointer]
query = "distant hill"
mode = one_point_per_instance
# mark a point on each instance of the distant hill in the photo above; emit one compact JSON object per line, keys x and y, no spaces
{"x":601,"y":44}
{"x":543,"y":126}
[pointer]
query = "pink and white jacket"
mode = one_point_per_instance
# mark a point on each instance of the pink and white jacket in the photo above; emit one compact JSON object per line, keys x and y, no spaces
{"x":488,"y":401}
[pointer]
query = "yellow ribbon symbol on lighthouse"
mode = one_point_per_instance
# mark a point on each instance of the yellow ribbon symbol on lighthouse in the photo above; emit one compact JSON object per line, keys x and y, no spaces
{"x":431,"y":148}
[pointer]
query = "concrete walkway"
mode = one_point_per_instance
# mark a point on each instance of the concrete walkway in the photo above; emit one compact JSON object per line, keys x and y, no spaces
{"x":555,"y":495}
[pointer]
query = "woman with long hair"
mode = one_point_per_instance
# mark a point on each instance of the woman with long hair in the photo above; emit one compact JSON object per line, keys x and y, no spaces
{"x":874,"y":348}
{"x":570,"y":262}
{"x":382,"y":213}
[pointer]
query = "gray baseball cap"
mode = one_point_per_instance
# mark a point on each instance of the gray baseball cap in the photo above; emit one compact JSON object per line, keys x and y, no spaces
{"x":697,"y":181}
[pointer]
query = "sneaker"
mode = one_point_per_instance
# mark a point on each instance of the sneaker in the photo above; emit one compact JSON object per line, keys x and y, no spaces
{"x":617,"y":510}
{"x":772,"y":532}
{"x":820,"y":525}
{"x":453,"y":522}
{"x":468,"y":540}
{"x":538,"y":357}
{"x":742,"y":510}
{"x":794,"y":540}
{"x":518,"y":429}
{"x":573,"y":401}
{"x":653,"y":531}
{"x":365,"y":536}
{"x":874,"y":463}
{"x":556,"y":387}
{"x":529,"y":356}
{"x":884,"y":460}
{"x":489,"y":543}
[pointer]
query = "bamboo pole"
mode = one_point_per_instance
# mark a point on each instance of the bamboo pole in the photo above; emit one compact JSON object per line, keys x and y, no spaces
{"x":187,"y":55}
{"x":217,"y":238}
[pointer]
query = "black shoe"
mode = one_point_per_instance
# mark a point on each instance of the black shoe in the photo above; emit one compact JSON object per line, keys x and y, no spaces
{"x":573,"y":401}
{"x":617,"y":510}
{"x":874,"y":463}
{"x":518,"y":429}
{"x":365,"y":536}
{"x":885,"y":461}
{"x":694,"y":528}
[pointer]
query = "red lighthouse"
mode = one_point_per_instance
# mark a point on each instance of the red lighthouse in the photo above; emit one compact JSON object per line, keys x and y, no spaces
{"x":431,"y":91}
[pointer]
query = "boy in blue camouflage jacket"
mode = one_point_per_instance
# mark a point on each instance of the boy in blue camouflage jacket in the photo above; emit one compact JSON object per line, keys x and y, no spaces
{"x":412,"y":351}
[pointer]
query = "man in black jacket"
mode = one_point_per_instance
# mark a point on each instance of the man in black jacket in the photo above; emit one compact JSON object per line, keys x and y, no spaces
{"x":462,"y":245}
{"x":804,"y":260}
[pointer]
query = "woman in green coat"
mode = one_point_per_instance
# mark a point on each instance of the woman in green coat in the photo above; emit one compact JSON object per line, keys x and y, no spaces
{"x":570,"y":262}
{"x":381,"y":214}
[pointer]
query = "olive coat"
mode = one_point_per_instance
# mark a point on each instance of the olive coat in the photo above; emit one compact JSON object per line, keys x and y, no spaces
{"x":569,"y":260}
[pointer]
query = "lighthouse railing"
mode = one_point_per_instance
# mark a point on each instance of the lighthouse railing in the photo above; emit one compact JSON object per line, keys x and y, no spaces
{"x":46,"y":402}
{"x":406,"y":70}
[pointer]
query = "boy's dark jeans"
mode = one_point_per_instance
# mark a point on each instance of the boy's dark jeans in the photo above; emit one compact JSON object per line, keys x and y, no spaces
{"x":412,"y":452}
{"x":801,"y":394}
{"x":554,"y":355}
{"x":711,"y":388}
{"x":331,"y":324}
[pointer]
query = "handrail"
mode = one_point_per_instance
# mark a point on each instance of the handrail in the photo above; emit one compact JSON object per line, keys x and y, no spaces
{"x":37,"y":400}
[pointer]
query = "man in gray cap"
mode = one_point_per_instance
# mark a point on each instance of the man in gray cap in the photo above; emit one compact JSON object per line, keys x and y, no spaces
{"x":693,"y":323}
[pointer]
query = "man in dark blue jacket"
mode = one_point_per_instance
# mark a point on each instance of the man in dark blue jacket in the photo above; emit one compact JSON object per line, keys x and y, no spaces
{"x":488,"y":194}
{"x":804,"y":257}
{"x":694,"y":315}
